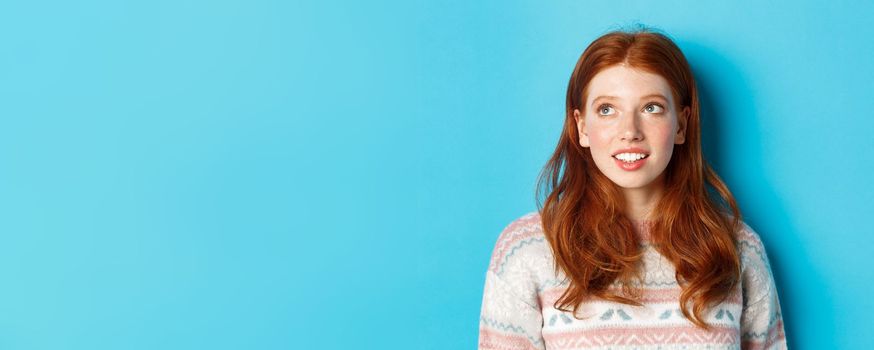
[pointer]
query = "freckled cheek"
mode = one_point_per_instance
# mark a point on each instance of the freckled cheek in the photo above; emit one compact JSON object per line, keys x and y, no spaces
{"x":600,"y":142}
{"x":601,"y":134}
{"x":665,"y":143}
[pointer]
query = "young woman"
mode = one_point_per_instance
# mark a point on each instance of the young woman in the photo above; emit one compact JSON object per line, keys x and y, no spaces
{"x":631,"y":249}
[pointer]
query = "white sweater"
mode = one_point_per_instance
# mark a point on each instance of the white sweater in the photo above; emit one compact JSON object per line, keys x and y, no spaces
{"x":521,"y":288}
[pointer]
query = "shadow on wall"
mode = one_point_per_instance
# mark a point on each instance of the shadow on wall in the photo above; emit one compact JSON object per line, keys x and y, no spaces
{"x":719,"y":82}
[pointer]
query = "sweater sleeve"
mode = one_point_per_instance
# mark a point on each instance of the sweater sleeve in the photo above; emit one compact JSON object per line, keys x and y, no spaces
{"x":507,"y":321}
{"x":510,"y":318}
{"x":762,"y":319}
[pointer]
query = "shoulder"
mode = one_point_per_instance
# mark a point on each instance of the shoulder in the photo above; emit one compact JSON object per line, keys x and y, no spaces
{"x":750,"y":245}
{"x":520,"y":245}
{"x":525,"y":226}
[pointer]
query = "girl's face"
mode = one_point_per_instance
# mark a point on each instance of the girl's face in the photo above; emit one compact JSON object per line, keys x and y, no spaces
{"x":631,"y":125}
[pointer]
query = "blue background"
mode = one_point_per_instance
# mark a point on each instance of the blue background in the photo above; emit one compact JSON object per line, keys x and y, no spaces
{"x":274,"y":175}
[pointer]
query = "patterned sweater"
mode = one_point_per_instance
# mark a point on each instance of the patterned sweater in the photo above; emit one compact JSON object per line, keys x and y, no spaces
{"x":521,"y":288}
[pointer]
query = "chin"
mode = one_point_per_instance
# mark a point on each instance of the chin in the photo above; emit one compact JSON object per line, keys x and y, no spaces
{"x":632,"y":184}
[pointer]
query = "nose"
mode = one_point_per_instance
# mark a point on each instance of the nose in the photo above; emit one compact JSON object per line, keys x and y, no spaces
{"x":629,"y":128}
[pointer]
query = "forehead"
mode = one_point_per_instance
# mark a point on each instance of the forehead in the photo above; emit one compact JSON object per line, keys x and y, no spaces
{"x":627,"y":83}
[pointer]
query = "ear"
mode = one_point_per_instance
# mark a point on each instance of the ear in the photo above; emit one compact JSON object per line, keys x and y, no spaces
{"x":682,"y":121}
{"x":581,"y":128}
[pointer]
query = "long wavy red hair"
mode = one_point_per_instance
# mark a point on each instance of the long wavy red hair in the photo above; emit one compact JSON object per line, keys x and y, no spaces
{"x":693,"y":226}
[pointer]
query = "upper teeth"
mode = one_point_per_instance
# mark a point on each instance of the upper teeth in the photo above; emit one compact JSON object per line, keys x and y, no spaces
{"x":630,"y":157}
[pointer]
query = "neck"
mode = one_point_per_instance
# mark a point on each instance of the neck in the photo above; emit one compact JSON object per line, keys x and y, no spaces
{"x":640,"y":202}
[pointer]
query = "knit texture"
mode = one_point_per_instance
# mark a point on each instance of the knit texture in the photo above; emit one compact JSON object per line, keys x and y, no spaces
{"x":521,"y":288}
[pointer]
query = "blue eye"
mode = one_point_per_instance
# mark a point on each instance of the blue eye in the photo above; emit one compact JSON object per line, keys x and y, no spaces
{"x":654,"y":108}
{"x":606,"y":110}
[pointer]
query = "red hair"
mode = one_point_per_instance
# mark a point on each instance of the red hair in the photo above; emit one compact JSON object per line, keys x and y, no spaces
{"x":583,"y":217}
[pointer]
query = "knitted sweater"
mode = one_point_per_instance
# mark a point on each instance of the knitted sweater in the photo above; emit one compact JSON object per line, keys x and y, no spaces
{"x":521,"y":288}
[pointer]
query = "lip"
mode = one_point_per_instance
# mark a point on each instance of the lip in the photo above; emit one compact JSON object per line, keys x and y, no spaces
{"x":630,"y":150}
{"x":630,"y":166}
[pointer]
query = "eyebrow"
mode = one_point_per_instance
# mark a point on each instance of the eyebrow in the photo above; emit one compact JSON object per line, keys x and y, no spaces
{"x":659,"y":96}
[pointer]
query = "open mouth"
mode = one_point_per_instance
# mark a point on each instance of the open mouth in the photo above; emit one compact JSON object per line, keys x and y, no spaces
{"x":630,"y":157}
{"x":630,"y":161}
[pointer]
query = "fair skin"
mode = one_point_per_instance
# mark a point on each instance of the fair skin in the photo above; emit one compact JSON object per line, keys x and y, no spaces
{"x":630,"y":108}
